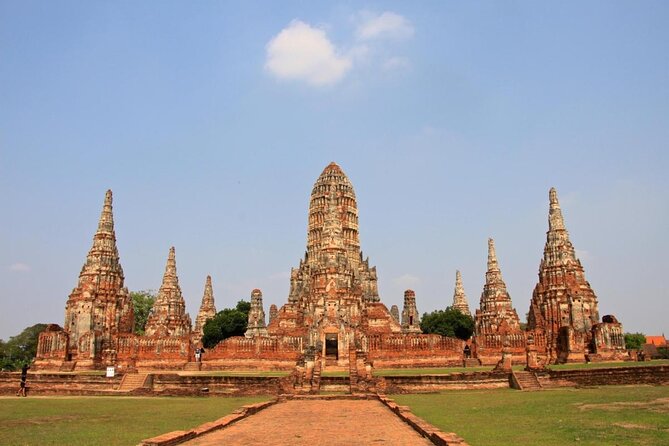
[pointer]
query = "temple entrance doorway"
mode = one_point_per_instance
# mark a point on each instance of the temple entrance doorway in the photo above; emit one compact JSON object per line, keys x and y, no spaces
{"x":331,"y":346}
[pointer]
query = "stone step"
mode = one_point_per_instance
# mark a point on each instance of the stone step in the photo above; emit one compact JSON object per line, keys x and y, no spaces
{"x":526,"y":380}
{"x":132,"y":381}
{"x":472,"y":362}
{"x":68,"y":366}
{"x":193,"y":366}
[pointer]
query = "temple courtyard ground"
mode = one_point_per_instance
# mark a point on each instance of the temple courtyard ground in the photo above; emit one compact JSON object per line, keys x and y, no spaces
{"x":611,"y":415}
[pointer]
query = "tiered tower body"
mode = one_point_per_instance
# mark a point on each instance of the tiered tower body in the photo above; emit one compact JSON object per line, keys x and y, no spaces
{"x":333,"y":291}
{"x":207,"y":310}
{"x":99,"y":307}
{"x":496,"y":323}
{"x":395,"y":313}
{"x":459,"y":297}
{"x":410,"y":315}
{"x":168,"y":316}
{"x":256,"y":323}
{"x":564,"y":307}
{"x":496,"y":314}
{"x":273,"y":312}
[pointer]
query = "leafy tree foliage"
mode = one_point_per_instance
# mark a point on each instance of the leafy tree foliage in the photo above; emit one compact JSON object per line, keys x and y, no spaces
{"x":448,"y":322}
{"x":634,"y":341}
{"x":20,"y":349}
{"x":142,"y":302}
{"x":227,"y":323}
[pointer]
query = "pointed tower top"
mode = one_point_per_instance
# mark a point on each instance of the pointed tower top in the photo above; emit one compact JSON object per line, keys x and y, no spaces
{"x":555,"y":219}
{"x":207,"y":308}
{"x":332,"y":167}
{"x":459,"y":297}
{"x":106,"y":223}
{"x":492,"y":256}
{"x":171,"y":266}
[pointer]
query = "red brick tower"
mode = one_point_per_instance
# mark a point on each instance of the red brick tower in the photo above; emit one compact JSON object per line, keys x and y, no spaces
{"x":168,"y":316}
{"x":99,"y":307}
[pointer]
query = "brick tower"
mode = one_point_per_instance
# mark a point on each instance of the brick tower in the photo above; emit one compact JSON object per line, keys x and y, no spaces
{"x":459,"y":297}
{"x":207,"y":310}
{"x":168,"y":316}
{"x":99,"y":307}
{"x":410,"y":316}
{"x":564,"y":307}
{"x":256,"y":323}
{"x":333,"y":292}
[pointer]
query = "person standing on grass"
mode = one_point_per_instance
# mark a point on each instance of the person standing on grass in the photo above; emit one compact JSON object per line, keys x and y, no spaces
{"x":24,"y":377}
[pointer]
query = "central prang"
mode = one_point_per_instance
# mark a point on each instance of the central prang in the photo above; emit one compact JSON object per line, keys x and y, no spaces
{"x":333,"y":289}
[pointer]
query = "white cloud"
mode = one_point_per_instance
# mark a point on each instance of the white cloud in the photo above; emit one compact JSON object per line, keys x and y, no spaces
{"x":19,"y":267}
{"x":396,"y":64}
{"x":385,"y":25}
{"x":304,"y":53}
{"x":406,"y":280}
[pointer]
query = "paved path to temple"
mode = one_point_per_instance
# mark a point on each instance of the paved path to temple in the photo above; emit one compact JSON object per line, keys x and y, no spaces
{"x":317,"y":422}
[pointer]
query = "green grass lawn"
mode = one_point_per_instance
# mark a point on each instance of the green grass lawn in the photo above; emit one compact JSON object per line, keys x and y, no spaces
{"x":611,"y":415}
{"x":446,"y":370}
{"x":105,"y":420}
{"x":599,"y":365}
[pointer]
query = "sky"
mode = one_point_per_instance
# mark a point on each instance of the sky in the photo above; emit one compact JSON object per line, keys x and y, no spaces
{"x":211,"y":121}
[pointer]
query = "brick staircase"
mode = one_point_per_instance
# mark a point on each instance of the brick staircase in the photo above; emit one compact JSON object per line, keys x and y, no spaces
{"x":353,"y":368}
{"x":67,"y":366}
{"x":316,"y":377}
{"x":193,"y":366}
{"x":525,"y":381}
{"x":472,"y":362}
{"x":132,"y":381}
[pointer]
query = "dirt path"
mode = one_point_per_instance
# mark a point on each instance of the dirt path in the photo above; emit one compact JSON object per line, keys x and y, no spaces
{"x":317,"y":422}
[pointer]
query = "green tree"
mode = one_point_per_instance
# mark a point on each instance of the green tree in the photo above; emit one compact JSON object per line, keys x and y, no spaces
{"x":449,"y":322}
{"x":20,"y":349}
{"x":227,"y":323}
{"x":142,"y":302}
{"x":634,"y":341}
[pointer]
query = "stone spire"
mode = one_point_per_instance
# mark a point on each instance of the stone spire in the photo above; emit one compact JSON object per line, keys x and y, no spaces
{"x":562,"y":297}
{"x":496,"y":312}
{"x":168,"y":316}
{"x":207,"y":309}
{"x":256,"y":324}
{"x":459,"y":297}
{"x":273,"y":312}
{"x":333,"y":215}
{"x":99,"y":307}
{"x":410,"y":316}
{"x":555,"y":220}
{"x":395,"y":313}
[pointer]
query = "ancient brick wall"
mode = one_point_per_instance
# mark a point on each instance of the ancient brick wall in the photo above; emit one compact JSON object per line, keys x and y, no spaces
{"x":612,"y":376}
{"x":434,"y":383}
{"x":59,"y":383}
{"x":420,"y":350}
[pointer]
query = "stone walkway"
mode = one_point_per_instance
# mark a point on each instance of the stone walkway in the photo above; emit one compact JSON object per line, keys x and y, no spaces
{"x":317,"y":422}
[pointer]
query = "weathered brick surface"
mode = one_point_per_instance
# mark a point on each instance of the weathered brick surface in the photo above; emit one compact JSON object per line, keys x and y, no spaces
{"x":564,"y":311}
{"x":317,"y":422}
{"x":604,"y":377}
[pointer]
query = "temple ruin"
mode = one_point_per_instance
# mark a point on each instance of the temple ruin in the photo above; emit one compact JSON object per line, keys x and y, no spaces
{"x":333,"y":315}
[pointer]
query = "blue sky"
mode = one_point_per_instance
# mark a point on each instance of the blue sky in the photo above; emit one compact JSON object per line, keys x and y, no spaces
{"x":211,"y":121}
